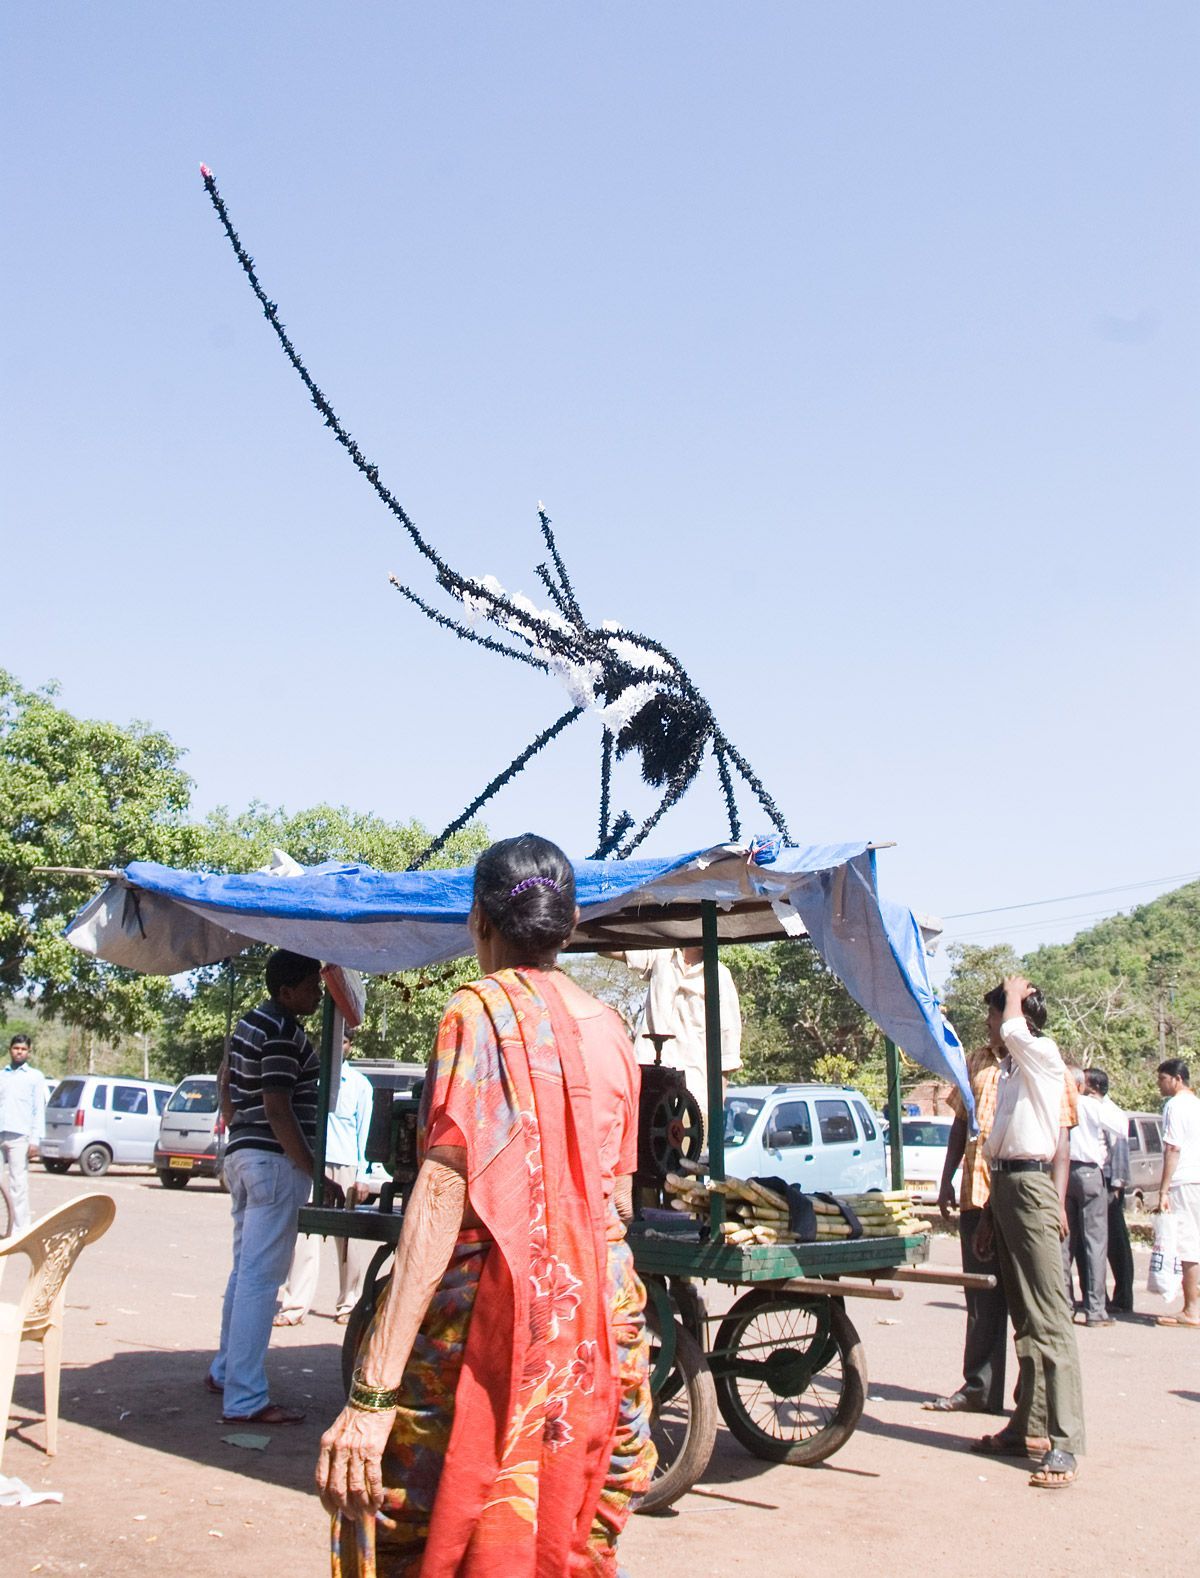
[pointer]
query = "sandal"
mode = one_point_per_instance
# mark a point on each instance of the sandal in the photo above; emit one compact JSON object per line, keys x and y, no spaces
{"x":288,"y":1320}
{"x":212,"y":1386}
{"x":1005,"y":1444}
{"x":272,"y":1414}
{"x":1178,"y":1320}
{"x":956,"y":1403}
{"x":1061,"y":1465}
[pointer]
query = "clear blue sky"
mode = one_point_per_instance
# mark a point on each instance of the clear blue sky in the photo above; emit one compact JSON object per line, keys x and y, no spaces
{"x":853,"y":349}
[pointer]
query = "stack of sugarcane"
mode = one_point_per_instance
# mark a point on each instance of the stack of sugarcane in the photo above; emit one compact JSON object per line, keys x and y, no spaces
{"x":882,"y":1216}
{"x":754,"y":1215}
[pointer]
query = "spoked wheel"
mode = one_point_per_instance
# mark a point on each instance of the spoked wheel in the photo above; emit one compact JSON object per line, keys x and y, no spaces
{"x":674,"y":1132}
{"x":683,"y":1424}
{"x":791,"y":1376}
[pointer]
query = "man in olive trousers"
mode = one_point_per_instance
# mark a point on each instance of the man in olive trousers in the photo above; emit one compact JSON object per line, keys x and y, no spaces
{"x":1025,"y":1214}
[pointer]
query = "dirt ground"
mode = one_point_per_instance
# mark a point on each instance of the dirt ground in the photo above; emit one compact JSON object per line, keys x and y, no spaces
{"x":151,"y":1488}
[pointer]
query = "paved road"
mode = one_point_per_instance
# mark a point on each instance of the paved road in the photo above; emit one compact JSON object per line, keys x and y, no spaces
{"x":152,"y":1489}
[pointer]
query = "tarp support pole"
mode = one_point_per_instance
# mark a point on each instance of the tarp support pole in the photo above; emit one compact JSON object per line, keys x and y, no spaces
{"x":712,"y":1055}
{"x":328,"y":1014}
{"x":895,"y":1117}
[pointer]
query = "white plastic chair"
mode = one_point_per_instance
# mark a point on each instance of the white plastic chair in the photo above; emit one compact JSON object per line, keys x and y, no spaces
{"x":53,"y":1245}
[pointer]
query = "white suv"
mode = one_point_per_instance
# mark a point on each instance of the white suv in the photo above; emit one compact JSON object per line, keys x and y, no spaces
{"x":822,"y":1137}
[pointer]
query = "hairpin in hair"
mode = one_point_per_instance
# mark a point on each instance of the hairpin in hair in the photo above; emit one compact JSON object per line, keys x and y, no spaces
{"x":534,"y":882}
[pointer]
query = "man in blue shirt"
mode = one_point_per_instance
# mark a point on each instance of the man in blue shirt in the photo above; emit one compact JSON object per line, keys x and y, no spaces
{"x":345,"y":1165}
{"x":22,"y":1123}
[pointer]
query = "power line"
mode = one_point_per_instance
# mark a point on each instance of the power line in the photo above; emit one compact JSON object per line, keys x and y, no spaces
{"x":1055,"y":920}
{"x":1066,"y":898}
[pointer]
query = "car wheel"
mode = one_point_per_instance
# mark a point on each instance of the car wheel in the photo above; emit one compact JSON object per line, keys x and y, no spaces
{"x":95,"y":1160}
{"x":173,"y":1180}
{"x":55,"y":1166}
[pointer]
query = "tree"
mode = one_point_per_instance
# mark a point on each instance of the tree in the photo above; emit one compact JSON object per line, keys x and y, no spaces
{"x":974,"y":971}
{"x":800,"y":1023}
{"x":403,"y":1010}
{"x":75,"y":792}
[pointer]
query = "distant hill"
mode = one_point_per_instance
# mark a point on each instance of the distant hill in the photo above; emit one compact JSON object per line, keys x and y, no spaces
{"x":1126,"y":993}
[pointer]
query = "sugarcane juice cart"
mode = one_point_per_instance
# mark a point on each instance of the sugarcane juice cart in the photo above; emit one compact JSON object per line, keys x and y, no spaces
{"x":784,"y":1364}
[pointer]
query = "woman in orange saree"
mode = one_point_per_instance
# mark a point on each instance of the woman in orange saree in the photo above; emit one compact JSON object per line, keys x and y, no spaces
{"x":498,"y":1424}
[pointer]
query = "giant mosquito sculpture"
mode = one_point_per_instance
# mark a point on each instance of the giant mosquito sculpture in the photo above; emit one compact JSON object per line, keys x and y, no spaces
{"x":646,"y":703}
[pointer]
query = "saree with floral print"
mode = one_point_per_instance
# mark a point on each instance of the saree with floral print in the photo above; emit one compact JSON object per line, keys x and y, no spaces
{"x":507,"y":1456}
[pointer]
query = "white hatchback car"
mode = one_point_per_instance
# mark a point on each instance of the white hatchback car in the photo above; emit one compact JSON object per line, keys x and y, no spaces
{"x":822,"y":1137}
{"x":925,"y":1141}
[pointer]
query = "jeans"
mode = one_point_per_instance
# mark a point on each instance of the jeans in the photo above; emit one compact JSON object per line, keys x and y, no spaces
{"x":14,"y":1149}
{"x":266,"y":1191}
{"x":354,"y":1255}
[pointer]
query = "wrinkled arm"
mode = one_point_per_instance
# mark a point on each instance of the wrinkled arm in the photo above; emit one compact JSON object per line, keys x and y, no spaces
{"x":623,"y":1195}
{"x":349,"y":1477}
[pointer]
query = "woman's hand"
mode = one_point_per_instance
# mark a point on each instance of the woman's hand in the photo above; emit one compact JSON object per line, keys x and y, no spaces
{"x":349,"y":1468}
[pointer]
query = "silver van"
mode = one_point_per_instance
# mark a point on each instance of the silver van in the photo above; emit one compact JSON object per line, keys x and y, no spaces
{"x":191,"y":1137}
{"x":1145,"y":1157}
{"x":98,"y":1119}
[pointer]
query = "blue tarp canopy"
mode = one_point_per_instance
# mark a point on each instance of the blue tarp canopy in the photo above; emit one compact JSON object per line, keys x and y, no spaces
{"x":162,"y":921}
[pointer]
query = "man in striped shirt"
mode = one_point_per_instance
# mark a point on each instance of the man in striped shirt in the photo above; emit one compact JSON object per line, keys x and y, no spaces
{"x":270,"y":1086}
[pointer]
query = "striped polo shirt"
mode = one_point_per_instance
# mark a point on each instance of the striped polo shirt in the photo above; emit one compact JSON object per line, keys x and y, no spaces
{"x":269,"y":1051}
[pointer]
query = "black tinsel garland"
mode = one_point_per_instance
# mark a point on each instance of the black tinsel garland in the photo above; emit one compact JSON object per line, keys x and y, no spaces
{"x":497,"y":783}
{"x":669,"y":732}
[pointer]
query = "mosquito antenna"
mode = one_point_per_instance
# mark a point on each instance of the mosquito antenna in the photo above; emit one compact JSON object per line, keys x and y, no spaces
{"x":465,"y":631}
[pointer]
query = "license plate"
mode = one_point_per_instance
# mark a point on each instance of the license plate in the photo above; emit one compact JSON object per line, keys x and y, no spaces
{"x":185,"y":1162}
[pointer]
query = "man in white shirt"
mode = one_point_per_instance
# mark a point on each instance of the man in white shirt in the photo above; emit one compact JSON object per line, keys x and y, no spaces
{"x":675,"y":1008}
{"x":1025,"y":1215}
{"x":346,"y":1166}
{"x":1179,"y":1187}
{"x":22,"y":1123}
{"x":1100,"y":1121}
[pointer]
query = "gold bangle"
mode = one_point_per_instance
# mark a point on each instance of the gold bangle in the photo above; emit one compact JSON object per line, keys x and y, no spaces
{"x":373,"y":1399}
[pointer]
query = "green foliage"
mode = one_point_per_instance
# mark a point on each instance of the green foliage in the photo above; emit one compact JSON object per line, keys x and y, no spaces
{"x":403,"y":1010}
{"x":1126,"y":994}
{"x":80,"y":793}
{"x":800,"y":1023}
{"x":974,"y":971}
{"x":1122,"y":995}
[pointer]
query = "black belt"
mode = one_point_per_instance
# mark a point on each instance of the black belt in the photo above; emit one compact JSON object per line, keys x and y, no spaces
{"x":1021,"y":1166}
{"x":1085,"y":1164}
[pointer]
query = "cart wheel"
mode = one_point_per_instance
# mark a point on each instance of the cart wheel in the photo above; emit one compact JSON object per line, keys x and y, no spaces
{"x":362,"y":1313}
{"x":791,"y":1376}
{"x":683,"y":1425}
